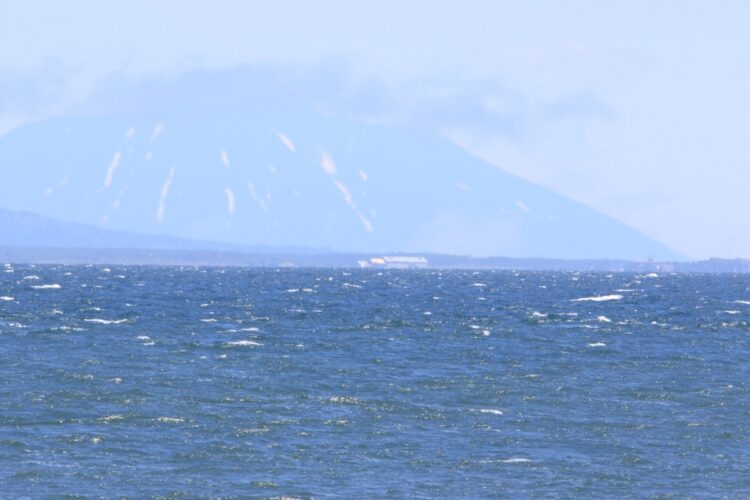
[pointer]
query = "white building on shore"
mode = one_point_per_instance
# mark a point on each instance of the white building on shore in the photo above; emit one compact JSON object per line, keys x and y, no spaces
{"x":395,"y":262}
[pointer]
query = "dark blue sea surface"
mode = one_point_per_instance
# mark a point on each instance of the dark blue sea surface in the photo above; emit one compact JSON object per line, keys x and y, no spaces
{"x":147,"y":381}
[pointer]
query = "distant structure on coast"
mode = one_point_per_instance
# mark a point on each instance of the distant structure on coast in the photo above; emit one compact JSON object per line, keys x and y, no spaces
{"x":395,"y":262}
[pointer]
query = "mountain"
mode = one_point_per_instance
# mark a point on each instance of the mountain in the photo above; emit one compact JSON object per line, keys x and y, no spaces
{"x":241,"y":158}
{"x":27,"y":230}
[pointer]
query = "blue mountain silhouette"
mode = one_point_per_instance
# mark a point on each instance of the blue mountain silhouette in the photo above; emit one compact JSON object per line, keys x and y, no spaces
{"x":242,"y":157}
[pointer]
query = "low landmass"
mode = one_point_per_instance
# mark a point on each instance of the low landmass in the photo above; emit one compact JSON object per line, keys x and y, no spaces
{"x":171,"y":257}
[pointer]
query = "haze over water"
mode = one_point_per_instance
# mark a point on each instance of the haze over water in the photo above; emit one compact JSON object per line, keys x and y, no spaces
{"x":139,"y":381}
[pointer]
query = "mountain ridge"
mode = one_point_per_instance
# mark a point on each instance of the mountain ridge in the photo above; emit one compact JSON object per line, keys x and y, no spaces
{"x":228,"y":157}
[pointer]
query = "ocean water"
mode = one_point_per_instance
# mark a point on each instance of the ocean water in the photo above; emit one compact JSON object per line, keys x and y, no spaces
{"x":172,"y":382}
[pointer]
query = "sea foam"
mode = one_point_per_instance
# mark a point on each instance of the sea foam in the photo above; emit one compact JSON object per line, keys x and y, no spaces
{"x":489,"y":411}
{"x":53,"y":286}
{"x":599,"y":298}
{"x":243,"y":343}
{"x":106,"y":321}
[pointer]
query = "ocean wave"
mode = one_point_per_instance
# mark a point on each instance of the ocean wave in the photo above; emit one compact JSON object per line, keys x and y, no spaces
{"x":111,"y":418}
{"x":170,"y":420}
{"x":53,"y":286}
{"x":243,"y":343}
{"x":489,"y":411}
{"x":5,"y":298}
{"x":106,"y":321}
{"x":599,"y":298}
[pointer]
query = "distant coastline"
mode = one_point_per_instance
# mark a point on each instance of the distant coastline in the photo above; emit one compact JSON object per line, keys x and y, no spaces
{"x":213,"y":258}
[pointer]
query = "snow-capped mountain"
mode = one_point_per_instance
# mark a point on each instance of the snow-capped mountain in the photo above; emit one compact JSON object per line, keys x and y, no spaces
{"x":228,"y":158}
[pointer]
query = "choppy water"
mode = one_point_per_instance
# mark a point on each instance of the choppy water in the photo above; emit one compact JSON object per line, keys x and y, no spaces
{"x":142,"y":381}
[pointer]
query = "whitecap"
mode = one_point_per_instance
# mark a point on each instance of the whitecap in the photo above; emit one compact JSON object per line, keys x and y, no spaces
{"x":650,"y":275}
{"x":731,"y":311}
{"x":243,"y":343}
{"x":349,"y":285}
{"x":53,"y":286}
{"x":105,"y":321}
{"x":32,"y":277}
{"x":208,"y":320}
{"x":603,"y":319}
{"x":170,"y":420}
{"x":349,"y":400}
{"x":537,"y":314}
{"x":599,"y":298}
{"x":308,"y":290}
{"x":489,"y":411}
{"x":111,"y":418}
{"x":5,"y":298}
{"x":746,"y":302}
{"x":479,"y":285}
{"x":597,"y":344}
{"x":250,"y":329}
{"x":515,"y":460}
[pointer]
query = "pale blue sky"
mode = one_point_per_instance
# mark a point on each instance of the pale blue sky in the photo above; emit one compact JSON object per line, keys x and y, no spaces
{"x":639,"y":109}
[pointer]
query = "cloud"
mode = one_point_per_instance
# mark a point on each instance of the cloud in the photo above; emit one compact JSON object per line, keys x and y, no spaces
{"x":111,"y":169}
{"x":363,"y":175}
{"x":327,"y":163}
{"x":286,"y":141}
{"x":462,"y":186}
{"x":163,"y":196}
{"x":224,"y":158}
{"x":522,"y":206}
{"x":230,"y":200}
{"x":129,"y":133}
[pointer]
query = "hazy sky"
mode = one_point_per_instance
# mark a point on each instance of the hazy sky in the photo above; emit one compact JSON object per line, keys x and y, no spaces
{"x":639,"y":108}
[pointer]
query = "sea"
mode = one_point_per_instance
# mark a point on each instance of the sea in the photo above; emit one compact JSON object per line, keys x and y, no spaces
{"x":183,"y":382}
